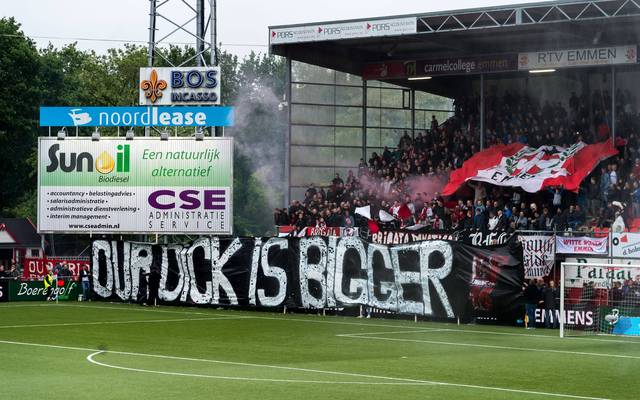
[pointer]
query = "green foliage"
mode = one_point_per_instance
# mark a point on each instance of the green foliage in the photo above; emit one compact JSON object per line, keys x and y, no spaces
{"x":20,"y":95}
{"x":251,"y":215}
{"x":72,"y":77}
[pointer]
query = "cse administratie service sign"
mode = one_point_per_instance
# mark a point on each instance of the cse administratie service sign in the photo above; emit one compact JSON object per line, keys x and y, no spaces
{"x":144,"y":185}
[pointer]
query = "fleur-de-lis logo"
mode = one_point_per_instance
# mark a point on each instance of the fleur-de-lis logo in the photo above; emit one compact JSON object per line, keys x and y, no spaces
{"x":153,"y":87}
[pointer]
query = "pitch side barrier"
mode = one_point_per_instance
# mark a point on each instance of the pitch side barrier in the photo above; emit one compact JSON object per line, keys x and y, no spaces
{"x":19,"y":289}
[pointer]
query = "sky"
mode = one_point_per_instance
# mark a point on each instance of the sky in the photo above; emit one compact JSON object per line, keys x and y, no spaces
{"x":242,"y":24}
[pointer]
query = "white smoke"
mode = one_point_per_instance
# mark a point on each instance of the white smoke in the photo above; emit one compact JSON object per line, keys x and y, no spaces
{"x":259,"y":133}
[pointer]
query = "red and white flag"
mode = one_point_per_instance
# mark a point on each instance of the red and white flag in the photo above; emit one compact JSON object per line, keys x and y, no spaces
{"x":531,"y":169}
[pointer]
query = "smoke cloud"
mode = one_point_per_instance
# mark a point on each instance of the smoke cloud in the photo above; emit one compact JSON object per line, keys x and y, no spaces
{"x":259,"y":134}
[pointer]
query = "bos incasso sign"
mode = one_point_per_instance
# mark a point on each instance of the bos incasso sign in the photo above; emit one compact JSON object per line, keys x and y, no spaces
{"x":179,"y":85}
{"x":145,"y":185}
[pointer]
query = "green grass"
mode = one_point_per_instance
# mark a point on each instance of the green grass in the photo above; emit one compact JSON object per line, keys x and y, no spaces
{"x":216,"y":354}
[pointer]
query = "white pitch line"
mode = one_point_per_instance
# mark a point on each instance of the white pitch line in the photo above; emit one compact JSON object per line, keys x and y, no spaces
{"x":395,"y":332}
{"x":217,"y":361}
{"x":418,"y":330}
{"x":141,"y":309}
{"x":141,"y":321}
{"x":405,"y":380}
{"x":286,"y":318}
{"x":489,"y":346}
{"x":91,"y":359}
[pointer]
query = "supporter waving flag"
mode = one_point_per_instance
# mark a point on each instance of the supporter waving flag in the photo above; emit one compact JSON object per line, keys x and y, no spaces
{"x":531,"y":169}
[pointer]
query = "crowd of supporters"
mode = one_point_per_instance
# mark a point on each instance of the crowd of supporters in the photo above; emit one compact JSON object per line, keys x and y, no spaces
{"x":405,"y":181}
{"x":11,"y":272}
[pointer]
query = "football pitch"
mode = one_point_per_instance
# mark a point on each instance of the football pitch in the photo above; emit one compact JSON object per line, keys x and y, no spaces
{"x":120,"y":351}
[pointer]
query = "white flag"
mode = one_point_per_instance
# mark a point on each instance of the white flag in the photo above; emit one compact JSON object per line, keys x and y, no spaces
{"x":385,"y":216}
{"x":415,"y":227}
{"x":364,"y":211}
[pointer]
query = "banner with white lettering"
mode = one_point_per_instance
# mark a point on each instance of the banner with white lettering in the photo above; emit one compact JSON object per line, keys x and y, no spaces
{"x":292,"y":231}
{"x":581,"y":245}
{"x":37,"y":268}
{"x":442,"y":279}
{"x":538,"y":255}
{"x":468,"y":236}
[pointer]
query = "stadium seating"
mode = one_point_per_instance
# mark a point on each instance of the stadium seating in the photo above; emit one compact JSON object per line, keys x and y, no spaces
{"x":411,"y":175}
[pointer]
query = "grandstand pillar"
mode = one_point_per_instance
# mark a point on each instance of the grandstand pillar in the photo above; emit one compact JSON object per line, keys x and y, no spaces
{"x":364,"y":119}
{"x":287,"y":140}
{"x":481,"y":111}
{"x":613,"y":103}
{"x":413,"y":113}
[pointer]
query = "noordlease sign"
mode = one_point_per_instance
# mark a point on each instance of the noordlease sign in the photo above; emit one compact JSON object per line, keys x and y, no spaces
{"x":136,"y":116}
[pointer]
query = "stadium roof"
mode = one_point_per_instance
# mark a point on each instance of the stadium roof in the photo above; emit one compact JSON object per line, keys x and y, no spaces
{"x":490,"y":30}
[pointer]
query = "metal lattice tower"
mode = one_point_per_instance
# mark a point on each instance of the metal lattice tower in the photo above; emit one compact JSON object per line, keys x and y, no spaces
{"x":196,"y":19}
{"x":199,"y":24}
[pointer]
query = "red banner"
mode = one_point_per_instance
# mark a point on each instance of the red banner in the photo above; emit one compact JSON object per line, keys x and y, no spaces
{"x":532,"y":169}
{"x":36,"y":268}
{"x":291,"y":231}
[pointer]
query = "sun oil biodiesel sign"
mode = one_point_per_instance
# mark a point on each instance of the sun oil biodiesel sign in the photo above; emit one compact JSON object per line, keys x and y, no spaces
{"x":135,"y":186}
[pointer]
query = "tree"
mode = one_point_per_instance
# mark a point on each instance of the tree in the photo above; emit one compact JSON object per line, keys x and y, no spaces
{"x":20,"y":96}
{"x":69,"y":76}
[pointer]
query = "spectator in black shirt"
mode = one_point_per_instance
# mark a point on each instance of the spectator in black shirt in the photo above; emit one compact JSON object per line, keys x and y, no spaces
{"x":531,"y":301}
{"x":337,"y":181}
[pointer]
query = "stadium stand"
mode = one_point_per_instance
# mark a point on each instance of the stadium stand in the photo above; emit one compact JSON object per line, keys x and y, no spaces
{"x":392,"y":181}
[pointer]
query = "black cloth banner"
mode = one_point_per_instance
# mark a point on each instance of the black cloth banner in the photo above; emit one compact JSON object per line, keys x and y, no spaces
{"x":437,"y":278}
{"x":468,"y":236}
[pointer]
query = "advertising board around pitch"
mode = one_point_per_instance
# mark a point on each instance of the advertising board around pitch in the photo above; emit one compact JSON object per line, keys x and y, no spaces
{"x":144,"y":185}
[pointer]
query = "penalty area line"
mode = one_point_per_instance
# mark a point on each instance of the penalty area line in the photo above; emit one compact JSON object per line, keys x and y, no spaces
{"x":95,"y":352}
{"x":489,"y":346}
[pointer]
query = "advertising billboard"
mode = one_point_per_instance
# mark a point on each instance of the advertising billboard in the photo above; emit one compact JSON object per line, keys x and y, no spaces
{"x":343,"y":30}
{"x":625,"y":245}
{"x":145,"y":185}
{"x":136,"y":116}
{"x":165,"y":86}
{"x":443,"y":66}
{"x":578,"y":57}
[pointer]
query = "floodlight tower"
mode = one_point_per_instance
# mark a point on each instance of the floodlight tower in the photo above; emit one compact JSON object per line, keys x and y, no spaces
{"x":199,"y":23}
